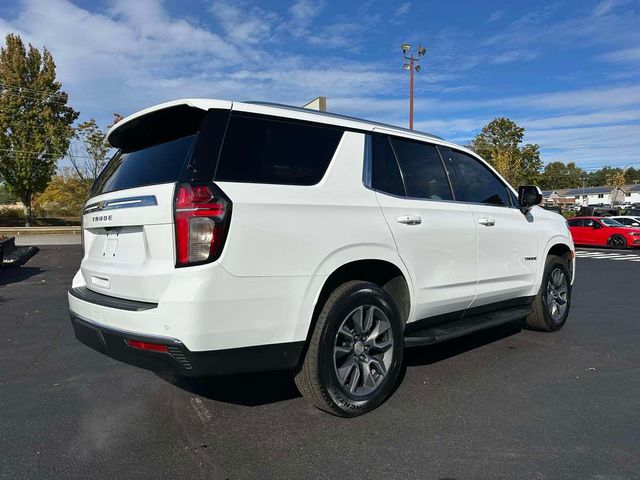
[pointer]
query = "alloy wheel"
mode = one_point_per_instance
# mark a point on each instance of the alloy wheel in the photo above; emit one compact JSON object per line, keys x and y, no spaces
{"x":363,"y":350}
{"x":557,"y":294}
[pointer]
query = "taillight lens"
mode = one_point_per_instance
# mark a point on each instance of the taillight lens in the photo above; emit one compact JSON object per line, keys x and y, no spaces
{"x":202,"y":213}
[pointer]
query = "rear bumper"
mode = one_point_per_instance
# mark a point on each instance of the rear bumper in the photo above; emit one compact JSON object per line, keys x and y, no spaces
{"x":179,"y":359}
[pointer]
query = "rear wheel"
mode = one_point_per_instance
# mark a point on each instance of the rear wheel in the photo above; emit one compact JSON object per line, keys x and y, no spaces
{"x":617,"y":241}
{"x":551,"y":305}
{"x":355,"y":353}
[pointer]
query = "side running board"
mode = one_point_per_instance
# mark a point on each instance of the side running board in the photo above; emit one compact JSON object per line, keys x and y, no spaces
{"x":457,"y":328}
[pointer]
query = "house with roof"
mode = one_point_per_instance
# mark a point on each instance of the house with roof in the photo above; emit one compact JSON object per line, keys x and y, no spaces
{"x":558,"y":198}
{"x":595,"y":195}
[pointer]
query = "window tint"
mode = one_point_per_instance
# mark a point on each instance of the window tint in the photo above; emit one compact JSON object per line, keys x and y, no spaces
{"x":478,"y":183}
{"x":261,"y":150}
{"x":422,"y":170}
{"x":158,"y":164}
{"x":575,"y":223}
{"x":385,"y":175}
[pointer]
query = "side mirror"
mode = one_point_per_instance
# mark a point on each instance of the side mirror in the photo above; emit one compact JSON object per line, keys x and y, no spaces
{"x":529,"y":196}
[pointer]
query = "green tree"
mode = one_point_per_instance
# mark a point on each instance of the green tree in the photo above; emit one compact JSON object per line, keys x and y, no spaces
{"x":89,"y":153}
{"x":631,"y":176}
{"x":35,"y":120}
{"x":499,"y":143}
{"x":530,"y":164}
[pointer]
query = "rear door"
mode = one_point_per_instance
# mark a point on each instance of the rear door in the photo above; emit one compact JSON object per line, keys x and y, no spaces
{"x":128,"y":234}
{"x":507,"y":239}
{"x":434,"y":234}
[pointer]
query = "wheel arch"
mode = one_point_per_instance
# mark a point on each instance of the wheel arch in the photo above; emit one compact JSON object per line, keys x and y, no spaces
{"x":384,"y":272}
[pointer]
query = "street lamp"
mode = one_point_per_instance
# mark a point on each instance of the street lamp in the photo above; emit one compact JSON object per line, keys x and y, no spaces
{"x":411,"y":66}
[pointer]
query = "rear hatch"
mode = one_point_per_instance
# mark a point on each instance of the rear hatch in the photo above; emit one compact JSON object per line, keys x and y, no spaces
{"x":128,"y":223}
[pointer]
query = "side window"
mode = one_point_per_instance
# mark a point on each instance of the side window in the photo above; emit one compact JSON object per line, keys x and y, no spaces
{"x":587,"y":222}
{"x":478,"y":183}
{"x":575,"y":223}
{"x":422,"y":170}
{"x":263,"y":150}
{"x":385,"y":174}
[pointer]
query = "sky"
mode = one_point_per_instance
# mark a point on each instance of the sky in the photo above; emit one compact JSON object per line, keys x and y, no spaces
{"x":566,"y":71}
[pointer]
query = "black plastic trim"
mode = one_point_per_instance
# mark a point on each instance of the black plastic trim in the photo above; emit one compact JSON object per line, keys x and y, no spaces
{"x":475,"y":312}
{"x":179,"y":359}
{"x":84,"y":294}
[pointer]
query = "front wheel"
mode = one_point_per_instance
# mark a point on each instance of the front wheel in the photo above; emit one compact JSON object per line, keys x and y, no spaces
{"x":355,"y":353}
{"x":617,"y":241}
{"x":551,"y":305}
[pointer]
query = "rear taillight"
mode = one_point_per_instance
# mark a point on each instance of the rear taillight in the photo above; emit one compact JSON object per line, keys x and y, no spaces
{"x":202,"y":214}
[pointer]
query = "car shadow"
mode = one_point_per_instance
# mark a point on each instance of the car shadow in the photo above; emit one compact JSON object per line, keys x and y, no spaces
{"x":255,"y":389}
{"x":248,"y":389}
{"x":430,"y":354}
{"x":9,"y":275}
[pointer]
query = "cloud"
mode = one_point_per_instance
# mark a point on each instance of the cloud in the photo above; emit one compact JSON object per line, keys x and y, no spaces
{"x":243,"y":24}
{"x":495,"y":16}
{"x":514,"y":56}
{"x":399,"y":14}
{"x":624,"y":55}
{"x":607,"y":6}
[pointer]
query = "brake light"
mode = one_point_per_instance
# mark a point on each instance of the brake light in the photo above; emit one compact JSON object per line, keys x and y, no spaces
{"x":153,"y":347}
{"x":202,"y":213}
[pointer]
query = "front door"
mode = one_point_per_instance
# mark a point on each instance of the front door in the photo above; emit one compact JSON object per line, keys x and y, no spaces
{"x":507,"y":239}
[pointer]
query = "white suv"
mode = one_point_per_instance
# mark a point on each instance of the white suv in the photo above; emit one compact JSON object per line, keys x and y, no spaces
{"x":232,"y":237}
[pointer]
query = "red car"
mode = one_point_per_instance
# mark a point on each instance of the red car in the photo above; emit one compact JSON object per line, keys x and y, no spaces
{"x":603,"y":231}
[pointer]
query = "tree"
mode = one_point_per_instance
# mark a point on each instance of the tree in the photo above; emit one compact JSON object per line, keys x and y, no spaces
{"x":530,"y":164}
{"x":559,"y":175}
{"x":65,"y":195}
{"x":499,"y":143}
{"x":35,"y":120}
{"x":89,"y":155}
{"x":614,"y":181}
{"x":631,"y":176}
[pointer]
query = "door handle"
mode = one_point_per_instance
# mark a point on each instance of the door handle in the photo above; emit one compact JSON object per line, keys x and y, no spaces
{"x":487,"y":222}
{"x":409,"y":219}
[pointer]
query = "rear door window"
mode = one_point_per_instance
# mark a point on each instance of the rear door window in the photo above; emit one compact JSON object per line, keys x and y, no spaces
{"x":260,"y":149}
{"x":385,"y":175}
{"x":422,"y":170}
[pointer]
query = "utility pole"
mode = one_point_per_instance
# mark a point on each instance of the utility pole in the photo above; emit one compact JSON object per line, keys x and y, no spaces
{"x":411,"y":66}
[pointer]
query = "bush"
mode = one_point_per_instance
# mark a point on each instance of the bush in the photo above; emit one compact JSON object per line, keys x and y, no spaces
{"x":65,"y":197}
{"x":13,"y":213}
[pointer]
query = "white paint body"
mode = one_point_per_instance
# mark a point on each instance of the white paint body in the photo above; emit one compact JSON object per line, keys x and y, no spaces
{"x":284,"y":241}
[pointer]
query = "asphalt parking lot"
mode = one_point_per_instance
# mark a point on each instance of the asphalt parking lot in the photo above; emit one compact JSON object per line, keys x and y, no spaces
{"x":505,"y":403}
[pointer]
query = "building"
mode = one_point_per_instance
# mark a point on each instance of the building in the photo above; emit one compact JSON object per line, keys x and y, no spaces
{"x":558,"y":198}
{"x":595,"y":195}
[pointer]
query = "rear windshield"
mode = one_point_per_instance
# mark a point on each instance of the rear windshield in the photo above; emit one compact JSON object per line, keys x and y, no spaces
{"x":160,"y":163}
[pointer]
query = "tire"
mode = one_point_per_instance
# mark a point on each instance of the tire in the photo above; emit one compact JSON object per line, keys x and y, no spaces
{"x":552,"y":303}
{"x":617,"y":241}
{"x":332,"y":349}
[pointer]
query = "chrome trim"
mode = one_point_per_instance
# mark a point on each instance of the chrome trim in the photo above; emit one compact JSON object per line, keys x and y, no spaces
{"x":116,"y":203}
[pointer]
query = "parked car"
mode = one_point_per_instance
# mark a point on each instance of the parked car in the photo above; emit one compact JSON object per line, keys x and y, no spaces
{"x":232,"y":237}
{"x":597,"y":211}
{"x":603,"y":231}
{"x":628,"y":221}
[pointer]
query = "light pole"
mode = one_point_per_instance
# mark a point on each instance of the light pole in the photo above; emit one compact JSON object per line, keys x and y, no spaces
{"x":411,"y":66}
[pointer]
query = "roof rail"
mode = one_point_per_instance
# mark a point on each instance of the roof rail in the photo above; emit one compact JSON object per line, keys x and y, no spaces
{"x":337,"y":115}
